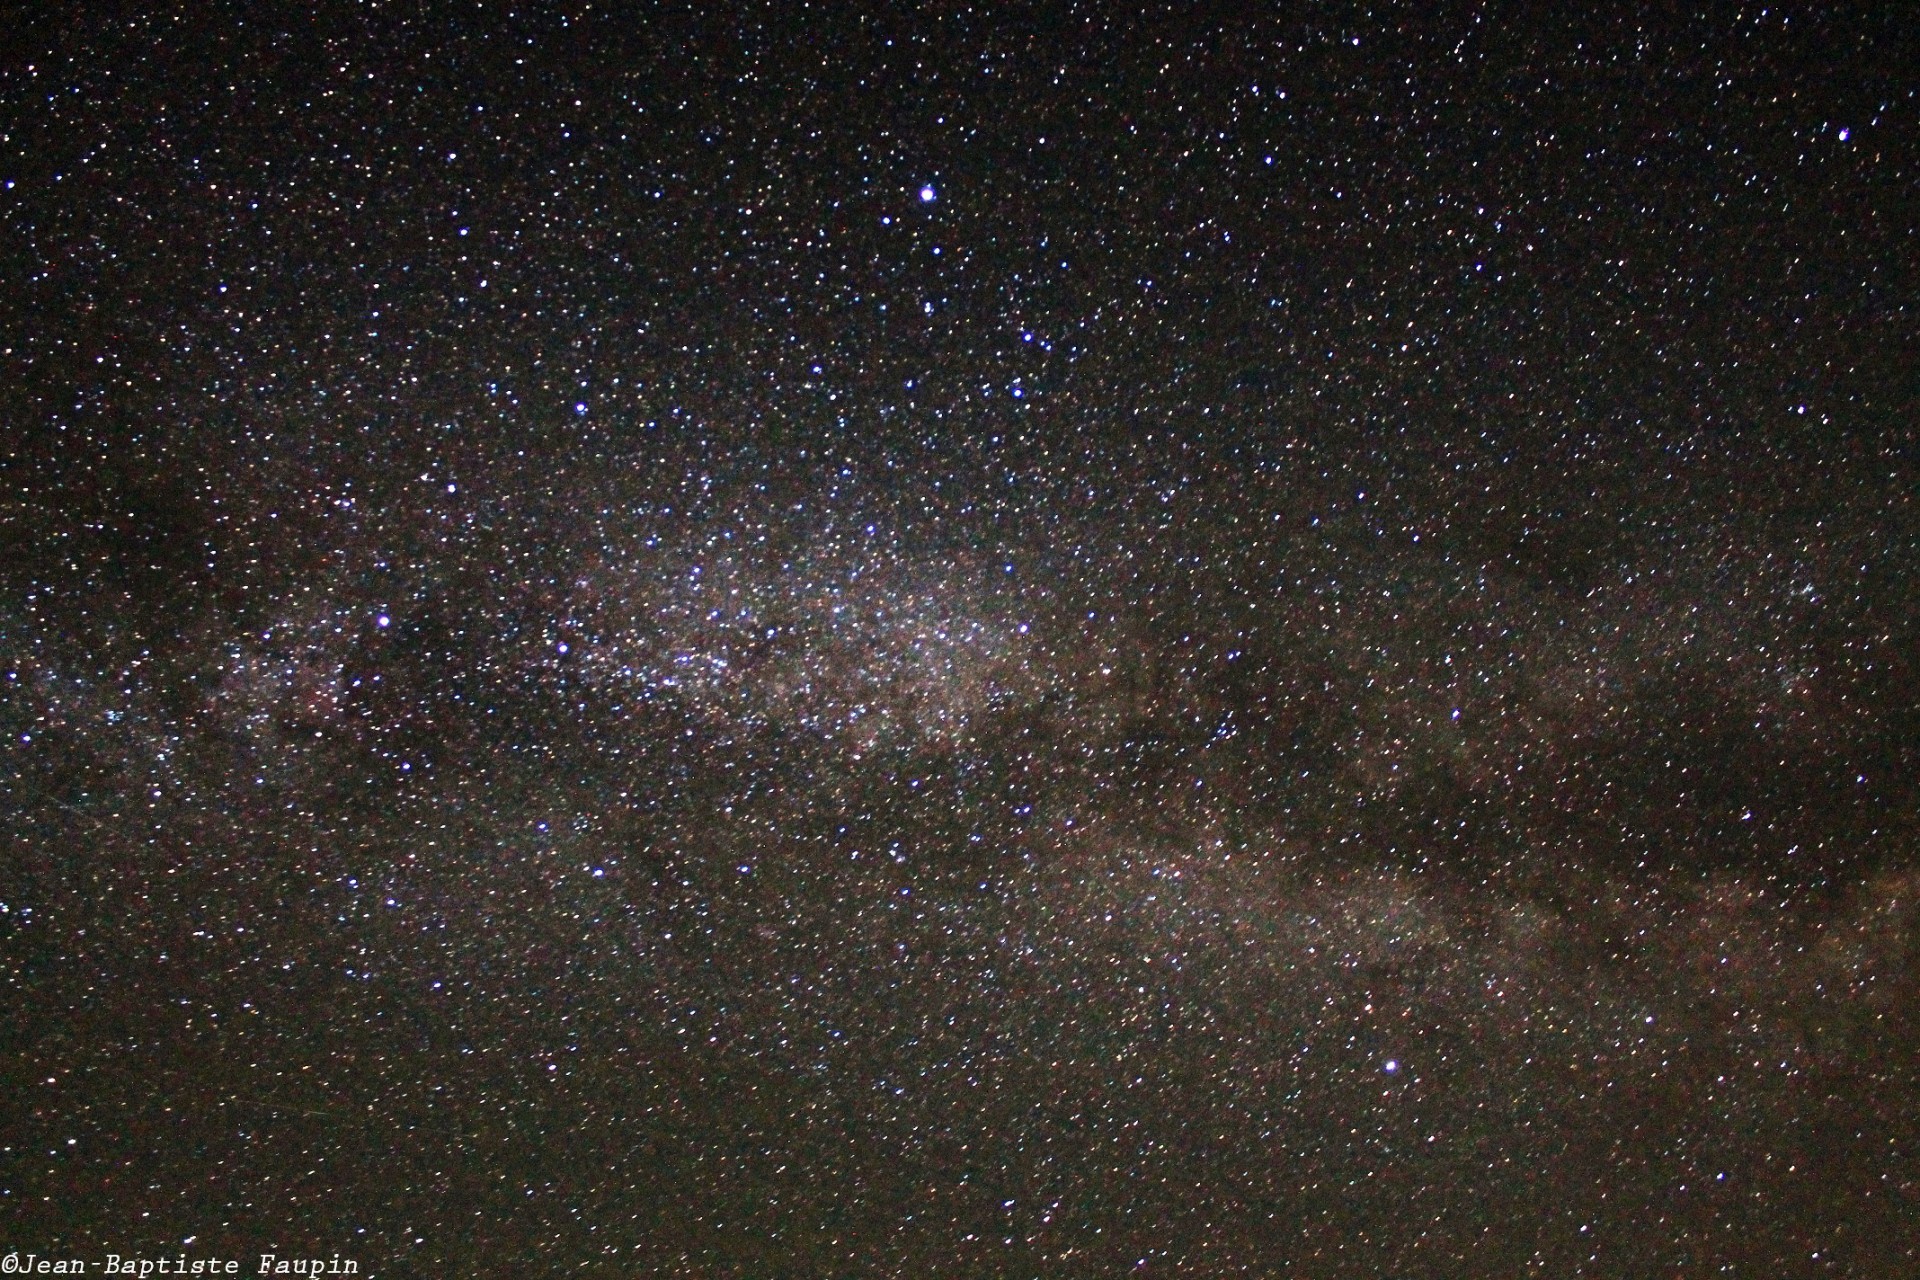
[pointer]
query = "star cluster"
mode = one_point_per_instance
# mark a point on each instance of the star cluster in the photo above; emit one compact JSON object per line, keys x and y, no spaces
{"x":742,"y":640}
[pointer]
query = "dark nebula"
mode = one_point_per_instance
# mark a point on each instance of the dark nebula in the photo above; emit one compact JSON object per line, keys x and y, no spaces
{"x":1051,"y":641}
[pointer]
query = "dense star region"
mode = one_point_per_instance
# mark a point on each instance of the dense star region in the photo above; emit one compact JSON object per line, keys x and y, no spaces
{"x":731,"y":641}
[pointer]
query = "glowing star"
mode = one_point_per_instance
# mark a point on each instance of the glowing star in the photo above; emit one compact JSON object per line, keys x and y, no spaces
{"x":927,"y":195}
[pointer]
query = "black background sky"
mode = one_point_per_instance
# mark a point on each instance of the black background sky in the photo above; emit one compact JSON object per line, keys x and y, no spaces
{"x":733,"y":641}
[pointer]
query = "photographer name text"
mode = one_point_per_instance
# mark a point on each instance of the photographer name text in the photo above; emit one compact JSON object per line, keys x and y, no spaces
{"x":118,"y":1264}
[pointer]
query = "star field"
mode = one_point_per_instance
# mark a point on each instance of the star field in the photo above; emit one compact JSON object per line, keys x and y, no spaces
{"x":771,"y":640}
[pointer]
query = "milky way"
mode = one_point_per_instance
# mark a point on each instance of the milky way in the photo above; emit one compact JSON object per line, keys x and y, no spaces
{"x":777,"y":641}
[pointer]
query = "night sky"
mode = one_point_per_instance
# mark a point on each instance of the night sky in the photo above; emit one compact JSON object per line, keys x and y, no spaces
{"x":1057,"y":641}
